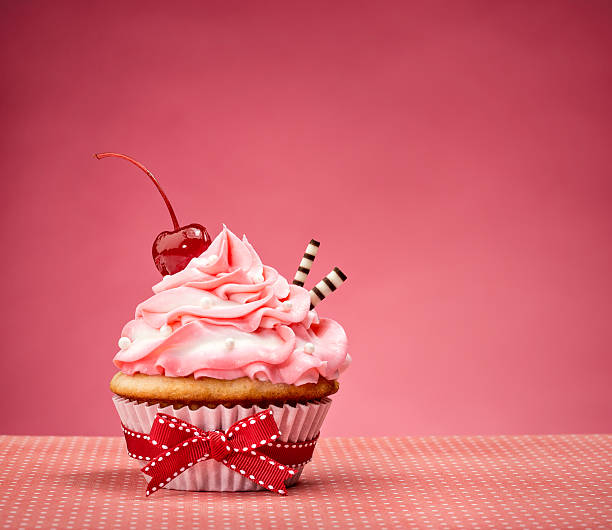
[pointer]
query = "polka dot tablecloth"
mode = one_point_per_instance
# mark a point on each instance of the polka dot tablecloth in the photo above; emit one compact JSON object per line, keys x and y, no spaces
{"x":429,"y":482}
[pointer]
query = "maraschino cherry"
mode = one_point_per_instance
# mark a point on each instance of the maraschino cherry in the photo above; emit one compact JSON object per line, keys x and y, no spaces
{"x":172,"y":250}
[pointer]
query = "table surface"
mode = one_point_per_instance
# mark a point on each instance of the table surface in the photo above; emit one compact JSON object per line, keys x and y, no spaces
{"x":422,"y":482}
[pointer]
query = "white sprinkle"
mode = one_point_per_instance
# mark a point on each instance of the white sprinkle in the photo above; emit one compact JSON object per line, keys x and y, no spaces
{"x":166,"y":330}
{"x":124,"y":343}
{"x":309,"y":347}
{"x":230,"y":343}
{"x":206,"y":303}
{"x":287,"y":305}
{"x":206,"y":260}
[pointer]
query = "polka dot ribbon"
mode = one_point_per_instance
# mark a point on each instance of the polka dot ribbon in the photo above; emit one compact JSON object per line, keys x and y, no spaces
{"x":249,"y":447}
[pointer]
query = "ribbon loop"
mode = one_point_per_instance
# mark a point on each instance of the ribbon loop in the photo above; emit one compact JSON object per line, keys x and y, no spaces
{"x":168,"y":431}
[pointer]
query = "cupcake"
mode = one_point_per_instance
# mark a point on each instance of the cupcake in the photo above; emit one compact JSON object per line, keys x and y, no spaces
{"x":225,"y":372}
{"x":227,"y":367}
{"x":224,"y":339}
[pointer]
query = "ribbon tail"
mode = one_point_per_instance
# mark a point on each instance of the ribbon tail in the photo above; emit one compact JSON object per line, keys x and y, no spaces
{"x":176,"y":460}
{"x":260,"y":469}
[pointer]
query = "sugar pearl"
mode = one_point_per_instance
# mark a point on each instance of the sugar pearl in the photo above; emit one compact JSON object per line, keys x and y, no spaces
{"x":229,"y":343}
{"x":124,"y":343}
{"x":166,"y":330}
{"x":309,"y":347}
{"x":207,"y":260}
{"x":206,"y":303}
{"x":255,"y":277}
{"x":287,"y":305}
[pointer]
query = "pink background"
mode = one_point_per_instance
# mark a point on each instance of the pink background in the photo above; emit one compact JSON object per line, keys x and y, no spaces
{"x":452,"y":157}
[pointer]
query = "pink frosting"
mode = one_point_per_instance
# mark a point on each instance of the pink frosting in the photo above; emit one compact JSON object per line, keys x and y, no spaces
{"x":227,"y":293}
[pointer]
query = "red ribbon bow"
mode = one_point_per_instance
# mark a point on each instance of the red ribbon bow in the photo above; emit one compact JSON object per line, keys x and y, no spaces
{"x":183,"y":445}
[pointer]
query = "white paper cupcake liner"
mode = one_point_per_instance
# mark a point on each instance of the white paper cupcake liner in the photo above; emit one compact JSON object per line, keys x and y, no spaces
{"x":296,"y":423}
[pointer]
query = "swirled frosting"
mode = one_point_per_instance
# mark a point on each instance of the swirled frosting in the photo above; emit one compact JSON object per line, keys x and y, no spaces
{"x":226,"y":315}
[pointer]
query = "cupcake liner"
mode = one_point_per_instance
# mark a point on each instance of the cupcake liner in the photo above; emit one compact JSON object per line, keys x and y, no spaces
{"x":296,"y":423}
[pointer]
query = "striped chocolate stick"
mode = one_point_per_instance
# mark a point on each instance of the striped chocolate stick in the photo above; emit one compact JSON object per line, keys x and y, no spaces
{"x":306,"y":263}
{"x":327,"y":285}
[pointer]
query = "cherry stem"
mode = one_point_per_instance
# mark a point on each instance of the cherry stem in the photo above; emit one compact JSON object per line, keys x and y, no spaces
{"x":99,"y":156}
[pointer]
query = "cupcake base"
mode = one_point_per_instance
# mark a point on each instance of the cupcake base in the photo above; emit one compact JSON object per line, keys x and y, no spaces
{"x":297,"y":423}
{"x":209,"y":392}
